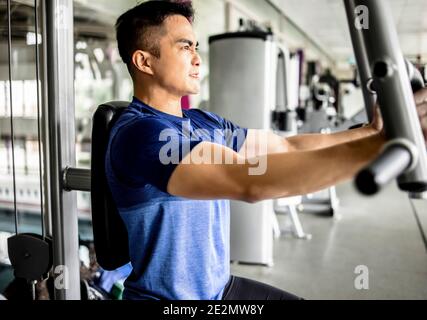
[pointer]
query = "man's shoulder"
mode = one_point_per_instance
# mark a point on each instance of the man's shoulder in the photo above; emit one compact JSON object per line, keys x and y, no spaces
{"x":206,"y":115}
{"x":134,"y":123}
{"x":200,"y":112}
{"x":137,"y":130}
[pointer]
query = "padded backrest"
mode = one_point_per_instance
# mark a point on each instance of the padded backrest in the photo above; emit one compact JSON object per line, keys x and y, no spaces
{"x":110,"y":234}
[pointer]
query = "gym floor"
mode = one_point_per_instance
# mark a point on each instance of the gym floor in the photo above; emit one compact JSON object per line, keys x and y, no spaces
{"x":380,"y":233}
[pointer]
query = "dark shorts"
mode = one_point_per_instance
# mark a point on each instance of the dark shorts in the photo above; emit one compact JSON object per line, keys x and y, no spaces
{"x":245,"y":289}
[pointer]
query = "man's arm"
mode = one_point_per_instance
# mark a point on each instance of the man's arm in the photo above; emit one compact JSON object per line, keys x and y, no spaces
{"x":320,"y":141}
{"x":259,"y":142}
{"x":286,"y":174}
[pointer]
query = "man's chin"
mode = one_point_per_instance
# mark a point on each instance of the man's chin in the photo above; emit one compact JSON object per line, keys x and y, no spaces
{"x":193,"y":91}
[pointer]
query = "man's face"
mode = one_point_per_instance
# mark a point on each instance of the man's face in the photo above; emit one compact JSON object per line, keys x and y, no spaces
{"x":178,"y":68}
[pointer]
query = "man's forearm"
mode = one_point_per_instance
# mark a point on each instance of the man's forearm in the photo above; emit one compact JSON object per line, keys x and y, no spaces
{"x":320,"y":141}
{"x":301,"y":172}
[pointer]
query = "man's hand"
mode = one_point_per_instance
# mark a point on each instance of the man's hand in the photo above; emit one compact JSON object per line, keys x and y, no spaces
{"x":421,"y":102}
{"x":377,"y":120}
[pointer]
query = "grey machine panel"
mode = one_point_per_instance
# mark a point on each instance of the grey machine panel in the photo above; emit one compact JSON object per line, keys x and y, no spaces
{"x":242,"y":79}
{"x":243,"y":90}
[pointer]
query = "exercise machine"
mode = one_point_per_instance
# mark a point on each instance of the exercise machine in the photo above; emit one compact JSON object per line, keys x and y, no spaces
{"x":386,"y":77}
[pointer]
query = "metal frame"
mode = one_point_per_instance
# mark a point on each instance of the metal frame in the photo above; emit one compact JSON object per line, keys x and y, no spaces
{"x":362,"y":59}
{"x":378,"y":44}
{"x":44,"y":122}
{"x":380,"y":59}
{"x":76,"y":179}
{"x":61,"y":143}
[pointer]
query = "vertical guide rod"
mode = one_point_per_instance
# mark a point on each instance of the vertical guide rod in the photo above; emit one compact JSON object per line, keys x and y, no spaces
{"x":362,"y":60}
{"x":9,"y":43}
{"x":61,"y":149}
{"x":36,"y":21}
{"x":45,"y":122}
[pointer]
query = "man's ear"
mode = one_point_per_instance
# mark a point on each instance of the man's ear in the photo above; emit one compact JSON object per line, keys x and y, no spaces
{"x":142,"y":61}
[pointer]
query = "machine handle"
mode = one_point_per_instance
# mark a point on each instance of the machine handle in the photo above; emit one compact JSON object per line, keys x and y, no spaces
{"x":395,"y":159}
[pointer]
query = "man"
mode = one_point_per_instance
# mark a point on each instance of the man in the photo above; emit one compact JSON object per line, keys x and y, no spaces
{"x":172,"y":171}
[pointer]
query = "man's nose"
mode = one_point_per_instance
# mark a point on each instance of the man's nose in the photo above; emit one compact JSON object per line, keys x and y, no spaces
{"x":197,"y":60}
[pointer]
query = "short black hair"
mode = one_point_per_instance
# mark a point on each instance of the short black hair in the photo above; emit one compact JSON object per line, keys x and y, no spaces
{"x":135,"y":26}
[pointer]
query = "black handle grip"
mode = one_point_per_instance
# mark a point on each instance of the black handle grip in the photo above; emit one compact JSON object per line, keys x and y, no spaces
{"x":392,"y":162}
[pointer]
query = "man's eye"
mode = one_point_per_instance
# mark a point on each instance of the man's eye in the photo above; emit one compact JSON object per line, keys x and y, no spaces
{"x":187,"y":48}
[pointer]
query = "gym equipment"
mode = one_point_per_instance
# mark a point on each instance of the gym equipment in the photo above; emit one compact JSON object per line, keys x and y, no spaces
{"x":30,"y":254}
{"x":384,"y":74}
{"x":386,"y":66}
{"x":251,"y":56}
{"x":250,"y":85}
{"x":320,"y":116}
{"x":284,"y":123}
{"x":109,"y":231}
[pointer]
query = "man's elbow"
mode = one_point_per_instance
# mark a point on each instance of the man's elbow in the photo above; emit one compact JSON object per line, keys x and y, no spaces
{"x":252,"y":194}
{"x":291,"y":145}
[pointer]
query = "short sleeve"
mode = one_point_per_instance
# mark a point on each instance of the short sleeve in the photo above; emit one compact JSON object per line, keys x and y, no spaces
{"x":234,"y":135}
{"x":148,"y":151}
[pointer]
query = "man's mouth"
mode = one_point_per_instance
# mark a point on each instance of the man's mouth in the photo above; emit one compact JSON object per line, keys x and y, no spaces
{"x":195,"y":75}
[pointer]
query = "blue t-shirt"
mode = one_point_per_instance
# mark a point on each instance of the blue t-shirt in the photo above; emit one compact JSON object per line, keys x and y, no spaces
{"x":179,"y":248}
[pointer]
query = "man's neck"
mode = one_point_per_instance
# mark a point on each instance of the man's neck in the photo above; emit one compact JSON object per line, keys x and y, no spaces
{"x":161,"y":100}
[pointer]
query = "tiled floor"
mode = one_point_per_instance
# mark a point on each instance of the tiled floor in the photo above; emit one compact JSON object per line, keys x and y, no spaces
{"x":380,"y":233}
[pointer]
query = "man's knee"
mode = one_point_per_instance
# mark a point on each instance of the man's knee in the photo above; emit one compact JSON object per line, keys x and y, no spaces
{"x":247,"y":289}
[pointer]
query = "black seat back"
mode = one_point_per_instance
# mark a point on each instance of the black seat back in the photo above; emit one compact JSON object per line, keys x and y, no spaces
{"x":110,"y":234}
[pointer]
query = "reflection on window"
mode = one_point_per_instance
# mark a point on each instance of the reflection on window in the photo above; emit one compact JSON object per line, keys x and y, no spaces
{"x":100,"y":76}
{"x":24,"y":98}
